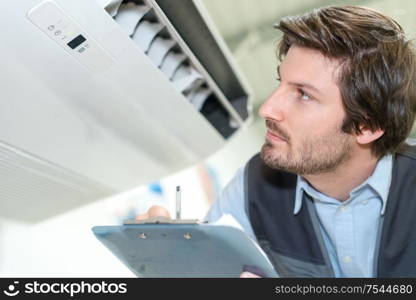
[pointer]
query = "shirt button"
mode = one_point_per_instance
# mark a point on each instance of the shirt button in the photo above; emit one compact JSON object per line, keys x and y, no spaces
{"x":364,"y":202}
{"x":347,"y":259}
{"x":344,"y":208}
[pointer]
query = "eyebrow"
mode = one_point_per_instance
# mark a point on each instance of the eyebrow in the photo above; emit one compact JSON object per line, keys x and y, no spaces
{"x":300,"y":84}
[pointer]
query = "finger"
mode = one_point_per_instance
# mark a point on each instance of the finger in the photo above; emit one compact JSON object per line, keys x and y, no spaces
{"x":158,"y":211}
{"x":248,"y":275}
{"x":142,"y":217}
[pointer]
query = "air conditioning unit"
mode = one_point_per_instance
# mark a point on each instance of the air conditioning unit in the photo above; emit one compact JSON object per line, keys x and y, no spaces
{"x":101,"y":96}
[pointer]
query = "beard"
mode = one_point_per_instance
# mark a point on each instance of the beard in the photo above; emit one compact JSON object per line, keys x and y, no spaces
{"x":315,"y":155}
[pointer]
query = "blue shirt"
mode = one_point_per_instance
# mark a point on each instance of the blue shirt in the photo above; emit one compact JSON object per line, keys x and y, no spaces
{"x":349,"y":228}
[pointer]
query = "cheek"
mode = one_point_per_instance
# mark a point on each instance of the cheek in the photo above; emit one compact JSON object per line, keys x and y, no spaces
{"x":308,"y":121}
{"x":318,"y":119}
{"x":303,"y":128}
{"x":307,"y":131}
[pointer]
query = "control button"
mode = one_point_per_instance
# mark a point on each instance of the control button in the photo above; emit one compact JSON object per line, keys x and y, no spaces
{"x":58,"y":32}
{"x":82,"y":49}
{"x":51,"y":27}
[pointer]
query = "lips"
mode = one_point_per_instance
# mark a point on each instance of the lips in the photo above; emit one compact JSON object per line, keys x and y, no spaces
{"x":275,"y":133}
{"x":275,"y":137}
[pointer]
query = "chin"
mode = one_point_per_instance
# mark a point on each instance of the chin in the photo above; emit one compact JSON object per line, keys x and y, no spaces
{"x":270,"y":155}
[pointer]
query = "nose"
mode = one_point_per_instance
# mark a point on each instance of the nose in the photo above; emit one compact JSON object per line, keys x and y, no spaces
{"x":272,"y":107}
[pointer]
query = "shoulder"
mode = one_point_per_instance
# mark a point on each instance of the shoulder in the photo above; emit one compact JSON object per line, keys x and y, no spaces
{"x":408,"y":149}
{"x":231,"y":199}
{"x":232,"y":202}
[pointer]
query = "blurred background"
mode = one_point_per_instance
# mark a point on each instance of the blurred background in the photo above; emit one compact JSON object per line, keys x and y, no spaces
{"x":64,"y":246}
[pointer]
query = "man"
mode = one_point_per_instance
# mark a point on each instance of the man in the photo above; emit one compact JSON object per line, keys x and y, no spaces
{"x":333,"y":191}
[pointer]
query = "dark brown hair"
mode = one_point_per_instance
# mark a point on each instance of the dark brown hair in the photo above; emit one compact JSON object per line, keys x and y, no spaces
{"x":378,"y":76}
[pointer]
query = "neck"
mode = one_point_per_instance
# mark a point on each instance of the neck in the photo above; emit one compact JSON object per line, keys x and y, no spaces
{"x":340,"y":182}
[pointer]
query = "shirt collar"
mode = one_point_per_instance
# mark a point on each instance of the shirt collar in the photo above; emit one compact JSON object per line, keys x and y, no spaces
{"x":379,"y":181}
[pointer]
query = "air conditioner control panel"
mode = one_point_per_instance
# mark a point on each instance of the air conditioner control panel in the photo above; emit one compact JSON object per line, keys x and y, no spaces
{"x":61,"y":28}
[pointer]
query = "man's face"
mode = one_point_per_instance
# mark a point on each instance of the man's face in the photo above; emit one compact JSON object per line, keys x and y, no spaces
{"x":304,"y":116}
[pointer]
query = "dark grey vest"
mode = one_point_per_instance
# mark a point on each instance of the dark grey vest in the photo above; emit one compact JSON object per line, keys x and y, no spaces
{"x":294,"y":243}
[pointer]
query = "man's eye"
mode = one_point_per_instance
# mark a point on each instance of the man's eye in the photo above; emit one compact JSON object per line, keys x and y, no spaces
{"x":304,"y":96}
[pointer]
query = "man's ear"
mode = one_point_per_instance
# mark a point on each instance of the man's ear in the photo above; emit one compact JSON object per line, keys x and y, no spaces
{"x":368,"y":136}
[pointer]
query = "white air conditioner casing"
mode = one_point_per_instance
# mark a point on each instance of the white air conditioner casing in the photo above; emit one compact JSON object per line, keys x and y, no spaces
{"x":79,"y":125}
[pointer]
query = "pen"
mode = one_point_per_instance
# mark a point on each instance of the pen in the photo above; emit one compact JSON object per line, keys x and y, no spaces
{"x":178,"y":202}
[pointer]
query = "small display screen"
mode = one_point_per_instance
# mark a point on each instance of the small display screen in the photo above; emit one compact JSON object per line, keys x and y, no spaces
{"x":76,"y":41}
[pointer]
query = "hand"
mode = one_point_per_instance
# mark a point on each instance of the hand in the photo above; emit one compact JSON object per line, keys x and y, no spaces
{"x":249,"y":275}
{"x":154,"y":211}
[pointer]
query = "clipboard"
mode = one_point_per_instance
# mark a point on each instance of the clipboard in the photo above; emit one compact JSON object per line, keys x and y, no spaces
{"x":183,"y":248}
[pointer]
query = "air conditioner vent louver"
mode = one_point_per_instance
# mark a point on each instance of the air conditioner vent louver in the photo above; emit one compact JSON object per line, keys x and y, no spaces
{"x":129,"y":15}
{"x":145,"y":33}
{"x":150,"y":34}
{"x":159,"y":47}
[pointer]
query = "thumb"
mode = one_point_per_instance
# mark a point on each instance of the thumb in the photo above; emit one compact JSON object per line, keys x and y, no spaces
{"x":249,"y":275}
{"x":158,"y":211}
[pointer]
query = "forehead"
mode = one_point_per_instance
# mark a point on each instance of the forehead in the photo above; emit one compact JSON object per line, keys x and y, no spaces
{"x":305,"y":64}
